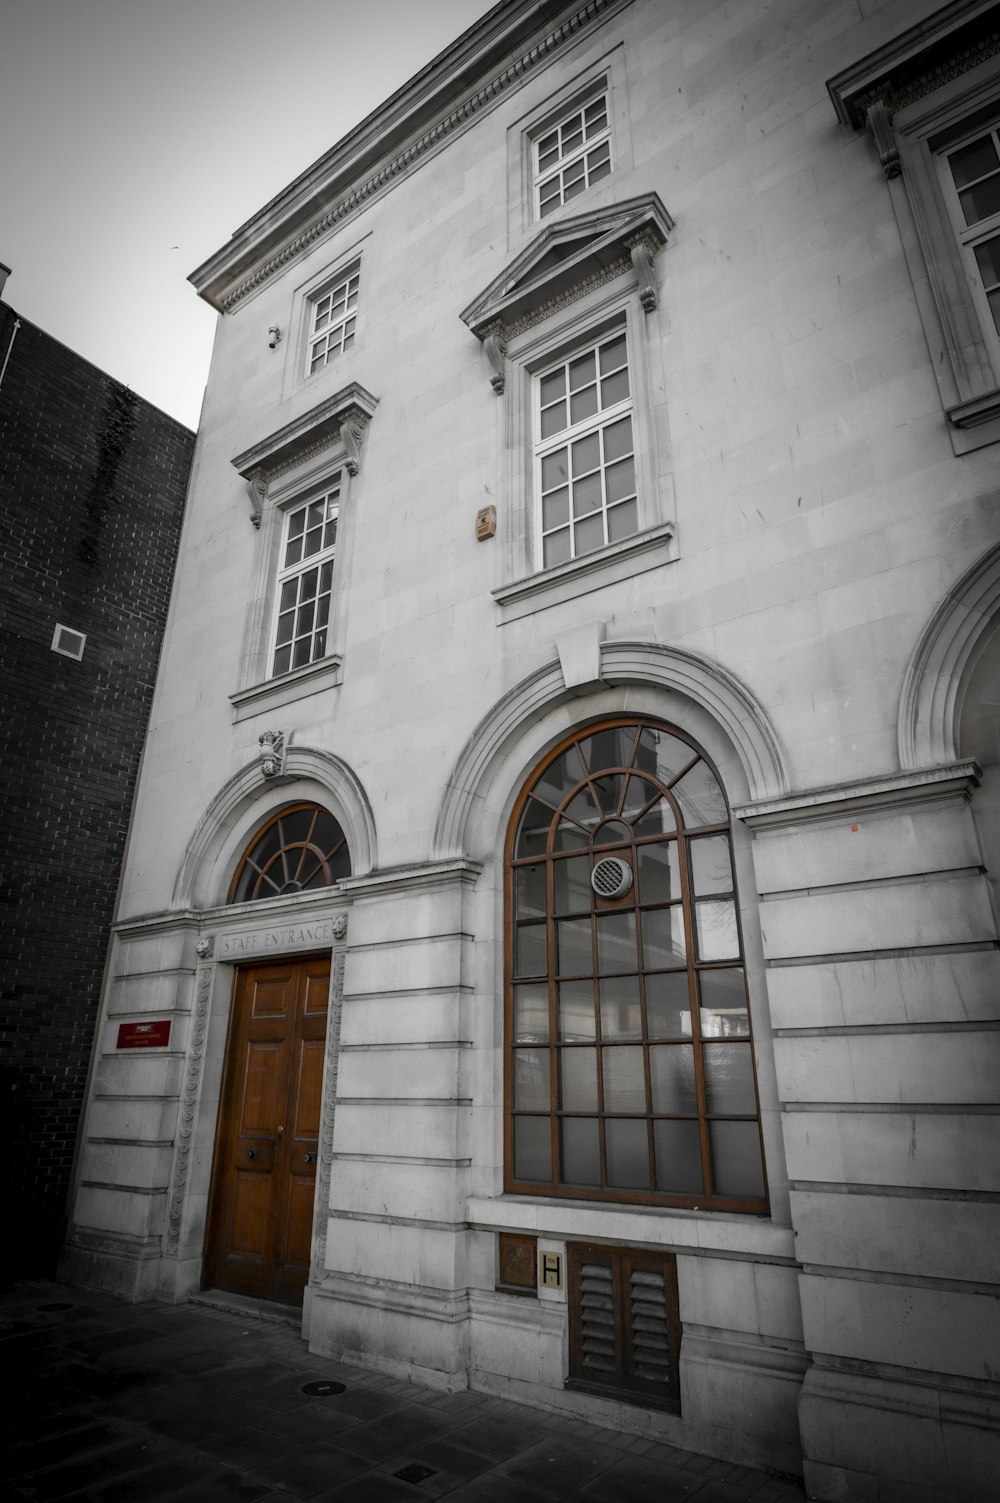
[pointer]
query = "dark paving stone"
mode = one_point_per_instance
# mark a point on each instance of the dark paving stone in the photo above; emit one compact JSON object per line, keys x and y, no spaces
{"x":450,"y":1465}
{"x":244,"y":1449}
{"x":644,"y":1482}
{"x":110,"y":1341}
{"x":497,"y":1439}
{"x":74,"y":1476}
{"x":360,"y":1403}
{"x":394,"y":1433}
{"x":372,"y":1487}
{"x":54,"y":1449}
{"x":558,"y":1466}
{"x":493,"y":1489}
{"x":312,"y":1470}
{"x":153,"y":1484}
{"x":196,"y":1423}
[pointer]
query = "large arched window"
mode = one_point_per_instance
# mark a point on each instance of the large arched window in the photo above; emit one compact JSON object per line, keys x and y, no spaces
{"x":629,"y":1068}
{"x":298,"y":850}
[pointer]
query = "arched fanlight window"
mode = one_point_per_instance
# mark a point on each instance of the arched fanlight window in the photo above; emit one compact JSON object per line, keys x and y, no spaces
{"x":629,"y":1062}
{"x":299,"y":850}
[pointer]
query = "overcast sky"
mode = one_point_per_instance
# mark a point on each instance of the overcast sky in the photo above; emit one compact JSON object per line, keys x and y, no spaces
{"x":138,"y":134}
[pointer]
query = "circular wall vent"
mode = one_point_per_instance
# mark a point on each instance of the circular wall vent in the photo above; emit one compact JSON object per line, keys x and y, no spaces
{"x":611,"y":877}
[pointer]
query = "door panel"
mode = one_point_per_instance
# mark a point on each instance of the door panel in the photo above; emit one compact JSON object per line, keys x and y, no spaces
{"x":264,"y":1181}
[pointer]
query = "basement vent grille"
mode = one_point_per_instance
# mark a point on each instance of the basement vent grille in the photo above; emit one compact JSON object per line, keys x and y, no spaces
{"x":611,"y":877}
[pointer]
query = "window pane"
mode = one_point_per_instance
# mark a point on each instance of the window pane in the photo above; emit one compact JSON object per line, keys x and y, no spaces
{"x":573,"y":953}
{"x":729,"y":1085}
{"x":586,"y":454}
{"x":616,"y":943}
{"x":608,"y":792}
{"x":583,"y":404}
{"x":718,"y":936}
{"x":552,"y":385}
{"x":700,"y":797}
{"x":662,"y":755}
{"x":568,"y":836}
{"x":678,"y":1157}
{"x":555,"y":509}
{"x":586,"y":495}
{"x":560,"y":777}
{"x":614,"y":832}
{"x":571,"y":885}
{"x":599,"y":163}
{"x":574,"y":182}
{"x":614,"y":389}
{"x":613,"y":354}
{"x":589,"y":535}
{"x":659,"y":820}
{"x":554,"y":471}
{"x":576,"y":1012}
{"x":736,"y":1164}
{"x":623,"y":521}
{"x":531,"y":1080}
{"x":723,"y":1004}
{"x":982,"y":201}
{"x":293,"y":552}
{"x":530,"y":958}
{"x":579,"y":1151}
{"x":300,"y":653}
{"x":988,"y":259}
{"x":556,"y":549}
{"x":658,"y":873}
{"x":578,"y":1080}
{"x":282,"y":660}
{"x":974,"y":161}
{"x":627,"y":1154}
{"x":531,"y":1015}
{"x":671,"y":1078}
{"x":533,"y":830}
{"x":663,"y":941}
{"x":668,"y":1006}
{"x":529,"y":883}
{"x":621,"y":1015}
{"x":553,"y":419}
{"x":624,"y":1082}
{"x":612,"y":747}
{"x":284,"y":633}
{"x":532,"y":1149}
{"x":620,"y":481}
{"x":711,"y":867}
{"x":582,"y":372}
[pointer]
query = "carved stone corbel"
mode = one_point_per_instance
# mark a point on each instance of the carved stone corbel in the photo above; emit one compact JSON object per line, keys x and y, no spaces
{"x":882,"y":133}
{"x":641,"y":248}
{"x":496,"y":349}
{"x":205,"y":948}
{"x":257,"y":491}
{"x":353,"y":423}
{"x":272,"y":753}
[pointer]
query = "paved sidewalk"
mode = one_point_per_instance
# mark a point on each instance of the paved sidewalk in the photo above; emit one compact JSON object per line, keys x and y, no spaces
{"x":188,"y":1404}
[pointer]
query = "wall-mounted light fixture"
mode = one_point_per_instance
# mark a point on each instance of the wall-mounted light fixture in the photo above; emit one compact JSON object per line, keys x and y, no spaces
{"x":273,"y":336}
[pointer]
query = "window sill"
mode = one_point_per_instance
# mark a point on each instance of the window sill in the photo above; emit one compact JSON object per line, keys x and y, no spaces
{"x":634,"y":555}
{"x":285,"y":689}
{"x":976,"y":423}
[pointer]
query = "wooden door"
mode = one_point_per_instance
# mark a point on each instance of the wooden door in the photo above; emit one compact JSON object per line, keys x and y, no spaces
{"x":264,"y":1180}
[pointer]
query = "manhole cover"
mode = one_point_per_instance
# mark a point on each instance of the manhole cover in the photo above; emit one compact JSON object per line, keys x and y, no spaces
{"x":415,"y":1472}
{"x":56,"y":1306}
{"x":323,"y":1389}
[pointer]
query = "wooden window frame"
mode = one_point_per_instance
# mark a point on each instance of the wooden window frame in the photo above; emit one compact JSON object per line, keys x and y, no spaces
{"x":695,"y":968}
{"x":322,"y":854}
{"x":625,"y":1380}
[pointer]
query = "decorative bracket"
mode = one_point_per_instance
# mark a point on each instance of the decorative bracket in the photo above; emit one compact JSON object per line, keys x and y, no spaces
{"x":257,"y":491}
{"x":496,"y":349}
{"x":642,"y":248}
{"x":353,"y":425}
{"x":880,"y":126}
{"x":272,"y":753}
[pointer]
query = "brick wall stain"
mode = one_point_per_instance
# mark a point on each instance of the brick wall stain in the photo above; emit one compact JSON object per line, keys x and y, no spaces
{"x":92,"y":487}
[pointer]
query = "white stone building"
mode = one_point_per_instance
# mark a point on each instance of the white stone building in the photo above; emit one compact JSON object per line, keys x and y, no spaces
{"x":618,"y":410}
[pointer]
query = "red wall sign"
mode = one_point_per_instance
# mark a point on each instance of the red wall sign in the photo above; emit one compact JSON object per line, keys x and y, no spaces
{"x":144,"y":1035}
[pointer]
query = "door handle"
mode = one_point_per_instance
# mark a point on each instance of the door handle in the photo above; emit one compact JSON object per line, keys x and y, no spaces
{"x":251,"y":1153}
{"x":310,"y":1158}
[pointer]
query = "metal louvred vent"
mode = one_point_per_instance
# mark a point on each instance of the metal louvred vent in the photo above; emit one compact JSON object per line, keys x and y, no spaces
{"x":597,"y":1317}
{"x":650,"y":1326}
{"x":611,"y":877}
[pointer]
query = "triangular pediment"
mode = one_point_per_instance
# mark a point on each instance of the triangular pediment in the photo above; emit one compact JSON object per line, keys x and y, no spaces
{"x":567,"y":254}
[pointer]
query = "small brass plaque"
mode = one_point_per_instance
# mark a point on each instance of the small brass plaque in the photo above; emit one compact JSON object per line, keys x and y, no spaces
{"x":517,"y":1260}
{"x":486,"y":523}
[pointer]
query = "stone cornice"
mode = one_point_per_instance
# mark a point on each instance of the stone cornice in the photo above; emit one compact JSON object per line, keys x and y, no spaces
{"x":484,"y":63}
{"x":341,"y":417}
{"x":838,"y":800}
{"x":942,"y":46}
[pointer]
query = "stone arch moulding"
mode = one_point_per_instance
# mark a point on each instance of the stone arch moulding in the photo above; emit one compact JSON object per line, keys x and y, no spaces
{"x":945,"y":654}
{"x":245,"y":788}
{"x":699,"y":680}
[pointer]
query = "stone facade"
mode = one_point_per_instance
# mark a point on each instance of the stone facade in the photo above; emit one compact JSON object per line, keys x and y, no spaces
{"x":93,"y":480}
{"x":807,"y":589}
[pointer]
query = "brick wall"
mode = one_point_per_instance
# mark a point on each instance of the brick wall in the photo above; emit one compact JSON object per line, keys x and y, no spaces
{"x":92,"y":487}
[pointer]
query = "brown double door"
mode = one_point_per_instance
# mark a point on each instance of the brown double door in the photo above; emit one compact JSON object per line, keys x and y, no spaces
{"x":264,"y":1180}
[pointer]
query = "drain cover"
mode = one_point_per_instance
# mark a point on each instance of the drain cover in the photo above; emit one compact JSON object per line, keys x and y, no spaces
{"x":56,"y":1306}
{"x":323,"y":1389}
{"x":415,"y":1472}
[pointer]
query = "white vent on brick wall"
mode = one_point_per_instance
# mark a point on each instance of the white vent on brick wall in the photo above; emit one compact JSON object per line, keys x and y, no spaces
{"x":69,"y":642}
{"x":611,"y":877}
